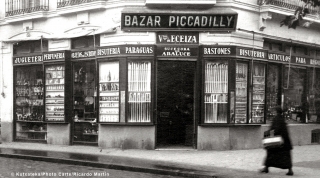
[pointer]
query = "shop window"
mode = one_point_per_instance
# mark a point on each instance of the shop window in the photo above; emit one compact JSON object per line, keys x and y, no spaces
{"x":276,"y":47}
{"x":29,"y":107}
{"x":258,"y":95}
{"x":241,"y":92}
{"x":299,"y":50}
{"x":273,"y":78}
{"x":318,"y":54}
{"x":55,"y":93}
{"x":267,"y":45}
{"x":24,"y":47}
{"x":84,"y":99}
{"x":216,"y":92}
{"x":85,"y":42}
{"x":314,"y":95}
{"x":109,"y":91}
{"x":294,"y":94}
{"x":139,"y":91}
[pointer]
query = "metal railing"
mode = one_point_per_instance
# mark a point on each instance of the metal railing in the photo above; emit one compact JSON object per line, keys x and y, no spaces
{"x":289,"y":4}
{"x":18,"y":7}
{"x":63,"y":3}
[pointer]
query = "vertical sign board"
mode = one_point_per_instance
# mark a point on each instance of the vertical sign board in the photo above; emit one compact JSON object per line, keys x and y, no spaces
{"x":177,"y":44}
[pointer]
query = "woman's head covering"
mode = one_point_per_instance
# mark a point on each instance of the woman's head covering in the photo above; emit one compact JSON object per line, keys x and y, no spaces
{"x":278,"y":110}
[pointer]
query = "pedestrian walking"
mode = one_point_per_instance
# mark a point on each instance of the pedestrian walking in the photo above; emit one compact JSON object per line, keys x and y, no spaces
{"x":279,"y":157}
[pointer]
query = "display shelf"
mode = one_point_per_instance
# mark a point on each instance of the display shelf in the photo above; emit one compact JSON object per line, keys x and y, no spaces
{"x":29,"y":121}
{"x":31,"y":131}
{"x":90,"y":134}
{"x":54,"y":77}
{"x":29,"y":139}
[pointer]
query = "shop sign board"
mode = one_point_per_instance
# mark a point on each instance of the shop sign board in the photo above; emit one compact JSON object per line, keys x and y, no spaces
{"x":251,"y":53}
{"x":83,"y":54}
{"x":177,"y":38}
{"x":177,"y":51}
{"x":135,"y":21}
{"x":125,"y":50}
{"x":54,"y":56}
{"x":218,"y":51}
{"x":28,"y":59}
{"x":292,"y":59}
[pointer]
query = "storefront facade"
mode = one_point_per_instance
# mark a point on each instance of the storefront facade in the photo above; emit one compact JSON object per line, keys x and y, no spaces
{"x":166,"y":78}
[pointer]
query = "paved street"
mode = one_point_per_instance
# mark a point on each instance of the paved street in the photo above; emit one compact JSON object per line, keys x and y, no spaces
{"x":225,"y":164}
{"x":11,"y":167}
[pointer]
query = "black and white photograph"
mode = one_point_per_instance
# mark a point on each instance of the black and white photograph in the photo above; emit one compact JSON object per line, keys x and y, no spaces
{"x":160,"y":88}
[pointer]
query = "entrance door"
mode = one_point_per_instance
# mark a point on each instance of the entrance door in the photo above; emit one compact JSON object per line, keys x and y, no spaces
{"x":175,"y":102}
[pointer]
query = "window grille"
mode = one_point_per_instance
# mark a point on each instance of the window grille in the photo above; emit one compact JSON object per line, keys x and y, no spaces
{"x":139,"y":91}
{"x":216,"y":92}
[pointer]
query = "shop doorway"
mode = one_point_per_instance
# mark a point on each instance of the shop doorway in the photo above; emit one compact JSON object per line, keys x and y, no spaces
{"x":175,"y":103}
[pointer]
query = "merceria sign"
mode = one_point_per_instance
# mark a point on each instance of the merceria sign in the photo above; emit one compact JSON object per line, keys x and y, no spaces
{"x":152,"y":21}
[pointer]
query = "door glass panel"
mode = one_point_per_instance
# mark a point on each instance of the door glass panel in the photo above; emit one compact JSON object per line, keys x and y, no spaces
{"x":139,"y":91}
{"x":314,"y":95}
{"x":272,"y":91}
{"x":109,"y":91}
{"x":241,"y":92}
{"x":216,"y":92}
{"x":258,"y":93}
{"x":293,"y":94}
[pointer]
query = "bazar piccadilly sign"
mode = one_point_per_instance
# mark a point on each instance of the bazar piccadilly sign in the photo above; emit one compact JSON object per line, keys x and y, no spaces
{"x":194,"y":22}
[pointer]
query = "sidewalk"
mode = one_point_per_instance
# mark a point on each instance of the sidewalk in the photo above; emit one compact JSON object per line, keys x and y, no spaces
{"x":185,"y":163}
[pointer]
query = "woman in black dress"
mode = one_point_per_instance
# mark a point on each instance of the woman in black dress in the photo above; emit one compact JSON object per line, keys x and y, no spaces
{"x":279,"y":157}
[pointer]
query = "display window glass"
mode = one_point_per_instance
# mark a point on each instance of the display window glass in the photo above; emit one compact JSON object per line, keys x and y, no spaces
{"x":258,"y":95}
{"x":273,"y":79}
{"x":216,"y":92}
{"x":109,"y":91}
{"x":84,"y":98}
{"x":241,"y":93}
{"x":29,"y":108}
{"x":314,"y":95}
{"x":294,"y":92}
{"x":139,"y":91}
{"x":54,"y":86}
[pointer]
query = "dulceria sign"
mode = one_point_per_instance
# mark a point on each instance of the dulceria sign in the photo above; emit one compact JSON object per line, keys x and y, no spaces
{"x":179,"y":21}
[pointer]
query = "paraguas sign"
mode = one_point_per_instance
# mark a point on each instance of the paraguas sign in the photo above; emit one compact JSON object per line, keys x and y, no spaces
{"x":179,"y":21}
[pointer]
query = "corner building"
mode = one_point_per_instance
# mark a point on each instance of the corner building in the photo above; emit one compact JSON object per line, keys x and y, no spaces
{"x":150,"y":74}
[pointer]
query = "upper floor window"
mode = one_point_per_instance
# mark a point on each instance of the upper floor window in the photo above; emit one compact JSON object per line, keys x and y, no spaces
{"x":85,"y":42}
{"x":19,"y":7}
{"x":24,"y":47}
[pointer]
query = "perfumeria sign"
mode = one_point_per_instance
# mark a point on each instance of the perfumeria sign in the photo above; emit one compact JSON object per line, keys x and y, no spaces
{"x":169,"y":22}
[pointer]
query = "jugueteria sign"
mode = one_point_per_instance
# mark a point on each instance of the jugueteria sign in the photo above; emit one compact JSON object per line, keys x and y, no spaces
{"x":153,"y":21}
{"x":27,"y":59}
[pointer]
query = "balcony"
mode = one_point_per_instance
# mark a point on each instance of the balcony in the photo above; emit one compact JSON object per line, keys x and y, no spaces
{"x":20,"y":10}
{"x":20,"y":7}
{"x":179,"y":3}
{"x":72,"y":6}
{"x":286,"y":6}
